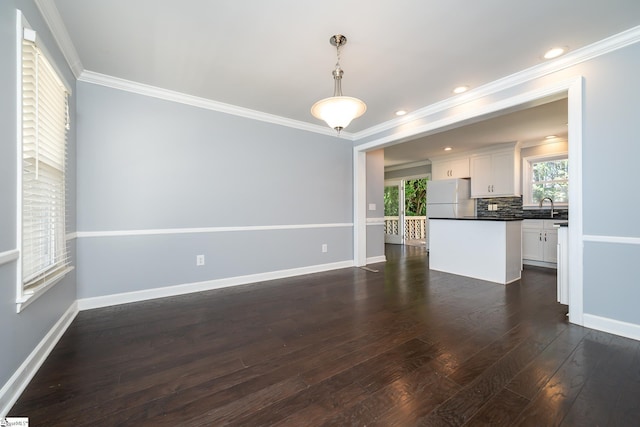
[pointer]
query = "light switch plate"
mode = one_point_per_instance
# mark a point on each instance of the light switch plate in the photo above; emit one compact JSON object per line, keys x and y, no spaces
{"x":372,"y":206}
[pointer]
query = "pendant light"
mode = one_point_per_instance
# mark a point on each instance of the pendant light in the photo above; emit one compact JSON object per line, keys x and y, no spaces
{"x":339,"y":110}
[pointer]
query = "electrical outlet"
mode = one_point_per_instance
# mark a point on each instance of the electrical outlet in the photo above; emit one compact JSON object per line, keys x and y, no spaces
{"x":325,"y":248}
{"x":199,"y":260}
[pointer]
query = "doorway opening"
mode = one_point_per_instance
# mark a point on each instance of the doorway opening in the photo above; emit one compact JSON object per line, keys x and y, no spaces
{"x":573,"y":87}
{"x":405,"y":212}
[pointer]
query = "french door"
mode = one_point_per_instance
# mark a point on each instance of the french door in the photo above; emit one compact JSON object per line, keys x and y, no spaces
{"x":394,"y":212}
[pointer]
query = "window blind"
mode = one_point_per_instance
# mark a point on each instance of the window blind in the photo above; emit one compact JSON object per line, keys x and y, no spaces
{"x":44,"y":137}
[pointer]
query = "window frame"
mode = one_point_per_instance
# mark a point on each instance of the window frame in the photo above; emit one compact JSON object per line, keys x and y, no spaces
{"x":527,"y":169}
{"x":24,"y":295}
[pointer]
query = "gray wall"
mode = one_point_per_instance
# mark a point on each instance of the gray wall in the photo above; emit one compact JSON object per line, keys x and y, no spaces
{"x":375,"y":195}
{"x":610,"y":161}
{"x":150,"y":164}
{"x":20,"y":333}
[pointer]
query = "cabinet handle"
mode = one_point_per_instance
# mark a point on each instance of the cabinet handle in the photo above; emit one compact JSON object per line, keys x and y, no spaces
{"x":545,"y":237}
{"x":540,"y":237}
{"x":488,"y":189}
{"x":492,"y":190}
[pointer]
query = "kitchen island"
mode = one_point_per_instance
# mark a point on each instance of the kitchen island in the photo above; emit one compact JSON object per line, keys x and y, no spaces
{"x":483,"y":248}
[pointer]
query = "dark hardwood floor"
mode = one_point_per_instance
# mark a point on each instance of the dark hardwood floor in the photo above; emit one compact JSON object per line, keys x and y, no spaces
{"x":402,"y":347}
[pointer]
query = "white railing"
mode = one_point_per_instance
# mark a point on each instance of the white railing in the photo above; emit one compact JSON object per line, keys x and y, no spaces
{"x":391,"y":225}
{"x":415,"y":227}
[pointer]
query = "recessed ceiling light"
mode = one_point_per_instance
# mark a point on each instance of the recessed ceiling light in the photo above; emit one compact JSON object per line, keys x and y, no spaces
{"x":550,"y":137}
{"x":554,"y":52}
{"x":448,"y":148}
{"x":401,"y":112}
{"x":461,"y":89}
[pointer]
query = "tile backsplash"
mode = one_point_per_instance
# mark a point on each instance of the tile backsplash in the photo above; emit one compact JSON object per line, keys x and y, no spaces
{"x":511,"y":207}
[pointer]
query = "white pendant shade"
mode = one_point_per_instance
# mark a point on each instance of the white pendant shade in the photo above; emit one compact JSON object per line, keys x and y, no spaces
{"x":338,"y":111}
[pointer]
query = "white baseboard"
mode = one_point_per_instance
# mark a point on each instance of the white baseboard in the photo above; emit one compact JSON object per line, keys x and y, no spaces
{"x":376,"y":259}
{"x":540,"y":264}
{"x":14,"y":387}
{"x":612,"y":326}
{"x":169,"y":291}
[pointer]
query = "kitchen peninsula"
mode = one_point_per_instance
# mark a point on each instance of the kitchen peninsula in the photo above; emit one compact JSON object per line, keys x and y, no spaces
{"x":483,"y":248}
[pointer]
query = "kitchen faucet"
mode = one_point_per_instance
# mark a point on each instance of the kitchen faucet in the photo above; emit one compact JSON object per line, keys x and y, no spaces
{"x":551,"y":200}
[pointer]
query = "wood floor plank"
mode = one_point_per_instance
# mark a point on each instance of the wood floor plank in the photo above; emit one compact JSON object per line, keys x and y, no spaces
{"x":501,"y":410}
{"x":490,"y":354}
{"x":424,"y":392}
{"x":530,"y":381}
{"x":602,"y":400}
{"x":460,"y":408}
{"x":555,"y":399}
{"x":402,"y":347}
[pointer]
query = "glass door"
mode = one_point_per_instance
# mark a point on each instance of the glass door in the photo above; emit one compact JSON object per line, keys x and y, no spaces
{"x":415,"y":211}
{"x":394,"y":212}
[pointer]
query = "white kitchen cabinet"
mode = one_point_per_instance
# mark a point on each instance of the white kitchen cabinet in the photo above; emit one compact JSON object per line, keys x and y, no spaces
{"x":539,"y":242}
{"x":531,"y":246}
{"x":452,"y":168}
{"x":481,"y":175}
{"x":483,"y":249}
{"x":495,"y":174}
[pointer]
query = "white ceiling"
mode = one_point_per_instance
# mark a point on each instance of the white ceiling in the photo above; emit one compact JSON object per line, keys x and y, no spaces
{"x":528,"y":124}
{"x":274,"y":56}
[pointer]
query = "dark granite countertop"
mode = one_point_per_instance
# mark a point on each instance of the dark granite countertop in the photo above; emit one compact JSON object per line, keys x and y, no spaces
{"x":475,"y":218}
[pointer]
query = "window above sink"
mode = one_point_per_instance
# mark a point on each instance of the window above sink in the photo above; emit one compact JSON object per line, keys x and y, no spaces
{"x":545,"y":176}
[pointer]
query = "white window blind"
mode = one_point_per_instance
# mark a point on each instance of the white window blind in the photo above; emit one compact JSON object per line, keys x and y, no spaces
{"x":45,"y":121}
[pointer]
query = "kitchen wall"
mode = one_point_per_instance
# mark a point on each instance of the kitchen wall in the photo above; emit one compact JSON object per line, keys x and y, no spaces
{"x":21,"y":333}
{"x":511,"y":207}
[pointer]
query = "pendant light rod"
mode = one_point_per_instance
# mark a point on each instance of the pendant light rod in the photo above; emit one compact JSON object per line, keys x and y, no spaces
{"x":339,"y":110}
{"x":338,"y":41}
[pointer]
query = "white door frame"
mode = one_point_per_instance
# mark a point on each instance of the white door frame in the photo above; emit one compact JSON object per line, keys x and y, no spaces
{"x":574,"y":87}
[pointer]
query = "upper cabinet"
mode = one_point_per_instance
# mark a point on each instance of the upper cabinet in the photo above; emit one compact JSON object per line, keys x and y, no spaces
{"x":496,"y":174}
{"x":451,"y":168}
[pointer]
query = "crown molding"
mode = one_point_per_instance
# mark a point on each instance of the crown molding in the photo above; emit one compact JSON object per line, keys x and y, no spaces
{"x":430,"y":126}
{"x":208,"y":104}
{"x":60,"y":34}
{"x":572,"y":58}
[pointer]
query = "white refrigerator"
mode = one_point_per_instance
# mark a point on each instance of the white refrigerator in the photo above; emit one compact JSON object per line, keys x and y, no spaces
{"x":449,"y":198}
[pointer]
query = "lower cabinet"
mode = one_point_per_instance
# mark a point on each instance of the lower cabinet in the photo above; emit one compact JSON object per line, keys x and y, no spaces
{"x":539,"y":241}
